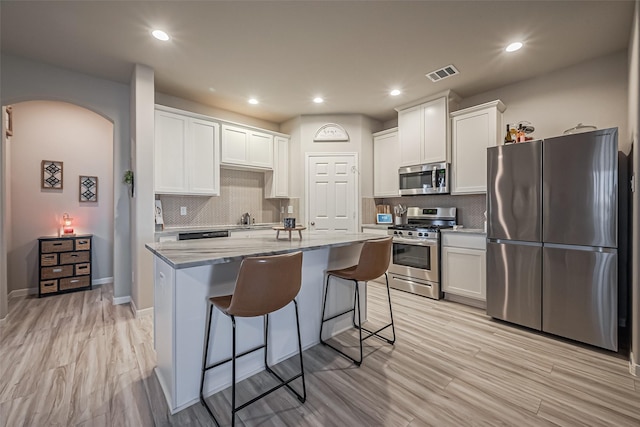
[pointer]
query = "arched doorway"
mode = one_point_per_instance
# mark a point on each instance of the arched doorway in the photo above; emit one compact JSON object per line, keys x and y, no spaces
{"x":83,"y":141}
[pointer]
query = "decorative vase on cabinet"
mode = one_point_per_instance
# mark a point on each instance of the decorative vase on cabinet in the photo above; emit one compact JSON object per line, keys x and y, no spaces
{"x":474,"y":129}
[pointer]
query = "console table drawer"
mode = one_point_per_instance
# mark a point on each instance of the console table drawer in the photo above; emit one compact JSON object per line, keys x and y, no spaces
{"x":55,"y":272}
{"x":74,"y":257}
{"x":48,"y":259}
{"x":82,"y":269}
{"x":48,"y":286}
{"x":83,"y":244}
{"x":74,"y":282}
{"x":57,"y":246}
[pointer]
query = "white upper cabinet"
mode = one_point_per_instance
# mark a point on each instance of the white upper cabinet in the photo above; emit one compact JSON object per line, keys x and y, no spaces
{"x":277,"y":182}
{"x":246,"y":148}
{"x":386,"y":161}
{"x":186,"y":159}
{"x":423,"y":131}
{"x":474,"y":129}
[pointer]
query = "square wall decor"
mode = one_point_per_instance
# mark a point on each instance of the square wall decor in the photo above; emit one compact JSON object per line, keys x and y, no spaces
{"x":88,"y":188}
{"x":51,"y":175}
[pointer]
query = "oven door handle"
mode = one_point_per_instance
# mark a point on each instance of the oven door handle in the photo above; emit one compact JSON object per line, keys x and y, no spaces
{"x":416,"y":242}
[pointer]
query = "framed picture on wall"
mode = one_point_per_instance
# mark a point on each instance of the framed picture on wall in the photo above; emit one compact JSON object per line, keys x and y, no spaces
{"x":88,"y":188}
{"x":51,"y":175}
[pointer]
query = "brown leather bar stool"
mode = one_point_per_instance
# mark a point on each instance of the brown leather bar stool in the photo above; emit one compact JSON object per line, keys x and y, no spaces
{"x":373,"y":263}
{"x":264,"y":285}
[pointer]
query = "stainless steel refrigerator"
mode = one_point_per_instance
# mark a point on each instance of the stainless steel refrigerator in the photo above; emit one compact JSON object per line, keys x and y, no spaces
{"x":552,"y":210}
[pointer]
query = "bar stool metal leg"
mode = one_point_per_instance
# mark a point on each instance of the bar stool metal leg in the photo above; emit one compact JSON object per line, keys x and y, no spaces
{"x":234,"y":409}
{"x":356,"y":306}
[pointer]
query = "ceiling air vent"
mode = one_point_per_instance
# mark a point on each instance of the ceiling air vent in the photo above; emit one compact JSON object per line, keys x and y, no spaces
{"x":442,"y":73}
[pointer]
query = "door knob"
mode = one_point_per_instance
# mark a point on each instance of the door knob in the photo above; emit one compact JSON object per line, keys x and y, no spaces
{"x":313,"y":223}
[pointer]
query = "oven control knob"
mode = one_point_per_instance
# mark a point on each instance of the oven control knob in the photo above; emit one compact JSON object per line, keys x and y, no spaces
{"x":410,"y":233}
{"x":419,"y":234}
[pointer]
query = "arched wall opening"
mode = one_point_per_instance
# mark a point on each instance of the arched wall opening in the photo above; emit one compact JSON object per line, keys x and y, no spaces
{"x":84,"y":142}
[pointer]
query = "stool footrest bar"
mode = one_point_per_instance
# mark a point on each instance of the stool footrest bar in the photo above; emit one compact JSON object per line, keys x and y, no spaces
{"x":244,"y":353}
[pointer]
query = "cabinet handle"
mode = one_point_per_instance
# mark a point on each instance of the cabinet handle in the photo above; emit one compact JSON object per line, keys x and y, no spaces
{"x":57,"y":244}
{"x":82,"y":242}
{"x":48,"y":256}
{"x":74,"y":281}
{"x":49,"y":284}
{"x":57,"y":270}
{"x":74,"y":255}
{"x":82,"y":267}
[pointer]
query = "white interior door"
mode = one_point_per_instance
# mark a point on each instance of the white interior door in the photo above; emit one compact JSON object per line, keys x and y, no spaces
{"x":332,"y":192}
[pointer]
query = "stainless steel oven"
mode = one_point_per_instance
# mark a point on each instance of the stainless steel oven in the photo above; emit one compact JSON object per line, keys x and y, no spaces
{"x":415,"y":258}
{"x":415,"y":267}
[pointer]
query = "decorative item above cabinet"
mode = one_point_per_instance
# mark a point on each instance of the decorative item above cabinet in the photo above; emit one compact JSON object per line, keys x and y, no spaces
{"x":473,"y":130}
{"x":423,"y":129}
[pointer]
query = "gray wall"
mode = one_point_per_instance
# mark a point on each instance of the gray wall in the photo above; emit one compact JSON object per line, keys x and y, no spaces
{"x":25,"y":80}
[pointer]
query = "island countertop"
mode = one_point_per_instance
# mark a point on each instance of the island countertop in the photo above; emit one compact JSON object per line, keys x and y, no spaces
{"x":194,"y":253}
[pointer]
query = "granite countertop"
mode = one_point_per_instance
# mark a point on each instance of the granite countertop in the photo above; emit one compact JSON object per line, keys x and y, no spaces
{"x":193,"y":253}
{"x":464,"y":230}
{"x":175,"y":230}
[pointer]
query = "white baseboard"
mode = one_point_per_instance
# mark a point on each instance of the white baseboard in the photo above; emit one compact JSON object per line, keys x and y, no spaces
{"x":17,"y":293}
{"x":634,"y":368}
{"x":102,"y":281}
{"x":139,"y":313}
{"x":4,"y":319}
{"x":121,"y":300}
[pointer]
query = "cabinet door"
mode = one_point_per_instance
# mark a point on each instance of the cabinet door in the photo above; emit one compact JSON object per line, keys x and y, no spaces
{"x":281,"y":167}
{"x":235,"y":145}
{"x":261,"y":150}
{"x":169,"y":153}
{"x":463,"y":272}
{"x":386,"y":161}
{"x":203,"y":158}
{"x":410,"y":136}
{"x":435,"y":144}
{"x":472,"y":134}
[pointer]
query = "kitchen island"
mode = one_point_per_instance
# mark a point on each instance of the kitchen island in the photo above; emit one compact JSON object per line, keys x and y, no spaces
{"x":186,"y":273}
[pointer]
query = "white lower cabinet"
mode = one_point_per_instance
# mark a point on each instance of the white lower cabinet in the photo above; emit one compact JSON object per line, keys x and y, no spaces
{"x":463,"y":265}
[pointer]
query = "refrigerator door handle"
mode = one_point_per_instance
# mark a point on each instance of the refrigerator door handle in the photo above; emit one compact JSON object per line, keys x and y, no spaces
{"x":513,"y":242}
{"x":582,"y":248}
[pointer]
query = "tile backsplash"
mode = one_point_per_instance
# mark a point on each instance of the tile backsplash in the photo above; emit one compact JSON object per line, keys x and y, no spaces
{"x":240,"y":191}
{"x":470,"y":208}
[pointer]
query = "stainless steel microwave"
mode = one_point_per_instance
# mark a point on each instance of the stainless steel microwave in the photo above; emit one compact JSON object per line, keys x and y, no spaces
{"x":431,"y":178}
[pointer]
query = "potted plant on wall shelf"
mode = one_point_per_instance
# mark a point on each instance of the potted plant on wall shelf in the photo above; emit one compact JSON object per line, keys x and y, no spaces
{"x":128,"y":179}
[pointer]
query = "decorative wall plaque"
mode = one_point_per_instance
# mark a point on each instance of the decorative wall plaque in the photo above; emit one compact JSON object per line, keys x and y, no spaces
{"x":331,"y":132}
{"x":51,"y":175}
{"x":88,"y":188}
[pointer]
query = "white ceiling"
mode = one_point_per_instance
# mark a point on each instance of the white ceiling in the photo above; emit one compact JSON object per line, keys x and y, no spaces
{"x":286,"y":52}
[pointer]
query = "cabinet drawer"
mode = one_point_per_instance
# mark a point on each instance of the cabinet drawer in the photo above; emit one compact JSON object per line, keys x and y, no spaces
{"x":57,"y":246}
{"x":74,"y":257}
{"x":48,"y":286}
{"x":74,"y":282}
{"x":83,"y":244}
{"x":82,"y":269}
{"x":48,"y":259}
{"x":55,"y":272}
{"x":465,"y":240}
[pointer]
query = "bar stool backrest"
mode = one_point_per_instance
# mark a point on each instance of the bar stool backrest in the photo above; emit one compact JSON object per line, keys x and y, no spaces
{"x":374,"y":259}
{"x":266,"y":284}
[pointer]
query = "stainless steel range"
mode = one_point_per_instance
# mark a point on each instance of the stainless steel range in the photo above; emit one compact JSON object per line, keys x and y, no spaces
{"x":415,"y":259}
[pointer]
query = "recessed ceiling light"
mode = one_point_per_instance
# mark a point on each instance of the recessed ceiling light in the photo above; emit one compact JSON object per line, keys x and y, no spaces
{"x":253,"y":101}
{"x":212,"y":89}
{"x":513,"y":47}
{"x":160,"y":35}
{"x":395,"y":92}
{"x":318,"y":100}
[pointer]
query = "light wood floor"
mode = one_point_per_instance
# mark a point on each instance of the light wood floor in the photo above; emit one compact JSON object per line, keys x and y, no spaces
{"x":78,"y":360}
